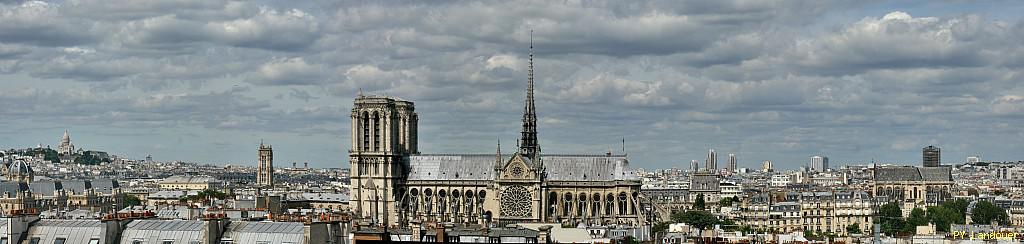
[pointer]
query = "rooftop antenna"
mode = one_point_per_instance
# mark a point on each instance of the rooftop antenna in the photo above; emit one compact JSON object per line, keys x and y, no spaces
{"x":623,"y":145}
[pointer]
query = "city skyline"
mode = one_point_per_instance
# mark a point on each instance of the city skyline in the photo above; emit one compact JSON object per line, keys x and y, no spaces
{"x":756,"y":82}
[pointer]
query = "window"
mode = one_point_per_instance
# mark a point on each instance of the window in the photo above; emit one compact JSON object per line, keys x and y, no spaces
{"x":59,"y":240}
{"x":137,"y":241}
{"x":168,"y":242}
{"x":226,"y":242}
{"x":94,"y":241}
{"x":3,"y":240}
{"x":34,"y":240}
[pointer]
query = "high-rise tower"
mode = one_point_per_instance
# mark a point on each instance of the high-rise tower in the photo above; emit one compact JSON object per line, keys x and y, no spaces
{"x":265,"y":167}
{"x":528,"y":138}
{"x":731,"y":167}
{"x":711,"y":163}
{"x":819,"y":163}
{"x":931,"y":156}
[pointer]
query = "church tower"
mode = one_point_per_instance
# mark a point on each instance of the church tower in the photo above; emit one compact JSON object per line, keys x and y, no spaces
{"x":384,"y":133}
{"x":265,"y":169}
{"x":528,"y":137}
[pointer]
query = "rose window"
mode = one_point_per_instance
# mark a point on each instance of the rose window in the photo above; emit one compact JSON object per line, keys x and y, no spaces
{"x":516,"y":202}
{"x":517,"y":171}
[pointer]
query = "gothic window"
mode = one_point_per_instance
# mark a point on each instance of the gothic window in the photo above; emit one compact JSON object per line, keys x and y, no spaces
{"x":516,"y":202}
{"x":441,"y":195}
{"x":376,"y":131}
{"x":366,"y":131}
{"x":622,"y":203}
{"x":456,"y":205}
{"x":596,"y":204}
{"x":552,"y":204}
{"x":567,"y":206}
{"x":581,"y":207}
{"x":428,"y":204}
{"x":415,"y":199}
{"x":609,"y":204}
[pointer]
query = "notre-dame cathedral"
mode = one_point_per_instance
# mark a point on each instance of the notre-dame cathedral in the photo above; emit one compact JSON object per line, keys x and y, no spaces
{"x":393,"y":183}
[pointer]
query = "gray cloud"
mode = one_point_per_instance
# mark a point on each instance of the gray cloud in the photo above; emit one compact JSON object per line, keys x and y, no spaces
{"x":777,"y":80}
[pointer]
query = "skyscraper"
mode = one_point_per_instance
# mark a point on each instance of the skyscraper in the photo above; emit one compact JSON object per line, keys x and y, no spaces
{"x":767,"y":166}
{"x":931,"y":156}
{"x":265,"y":167}
{"x":731,"y":167}
{"x":819,"y":163}
{"x":694,"y":165}
{"x":711,"y":162}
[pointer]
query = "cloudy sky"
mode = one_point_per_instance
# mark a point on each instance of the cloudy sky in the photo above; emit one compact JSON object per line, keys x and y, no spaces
{"x":206,"y":80}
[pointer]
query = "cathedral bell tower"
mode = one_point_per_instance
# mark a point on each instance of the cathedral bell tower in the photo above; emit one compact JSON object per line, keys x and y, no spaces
{"x":383,"y":136}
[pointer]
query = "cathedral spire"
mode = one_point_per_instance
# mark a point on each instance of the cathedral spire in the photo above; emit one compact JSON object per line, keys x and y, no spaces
{"x":528,"y":140}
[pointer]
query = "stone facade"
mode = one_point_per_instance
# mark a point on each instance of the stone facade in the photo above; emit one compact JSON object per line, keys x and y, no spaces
{"x":393,"y":184}
{"x":918,"y":187}
{"x":265,"y":167}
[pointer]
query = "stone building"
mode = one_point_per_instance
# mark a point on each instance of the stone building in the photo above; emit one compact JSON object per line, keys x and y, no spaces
{"x":754,"y":210}
{"x":784,"y":217}
{"x":15,"y":193}
{"x":392,"y":183}
{"x":265,"y":167}
{"x":853,"y":208}
{"x":65,"y":147}
{"x":913,"y":186}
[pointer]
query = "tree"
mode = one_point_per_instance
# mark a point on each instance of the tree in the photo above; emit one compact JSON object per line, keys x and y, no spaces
{"x":698,"y":204}
{"x":959,"y":206}
{"x":985,"y":212}
{"x":943,"y":217}
{"x":131,"y":200}
{"x":891,"y":218}
{"x":854,"y":229}
{"x":917,"y":218}
{"x":698,"y":219}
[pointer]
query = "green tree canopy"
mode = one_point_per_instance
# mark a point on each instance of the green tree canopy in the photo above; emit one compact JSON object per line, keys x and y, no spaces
{"x":985,"y":212}
{"x":917,"y":218}
{"x":131,"y":200}
{"x":959,"y":206}
{"x":891,"y":218}
{"x":698,"y":204}
{"x":698,"y":219}
{"x":854,"y":229}
{"x":943,"y":217}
